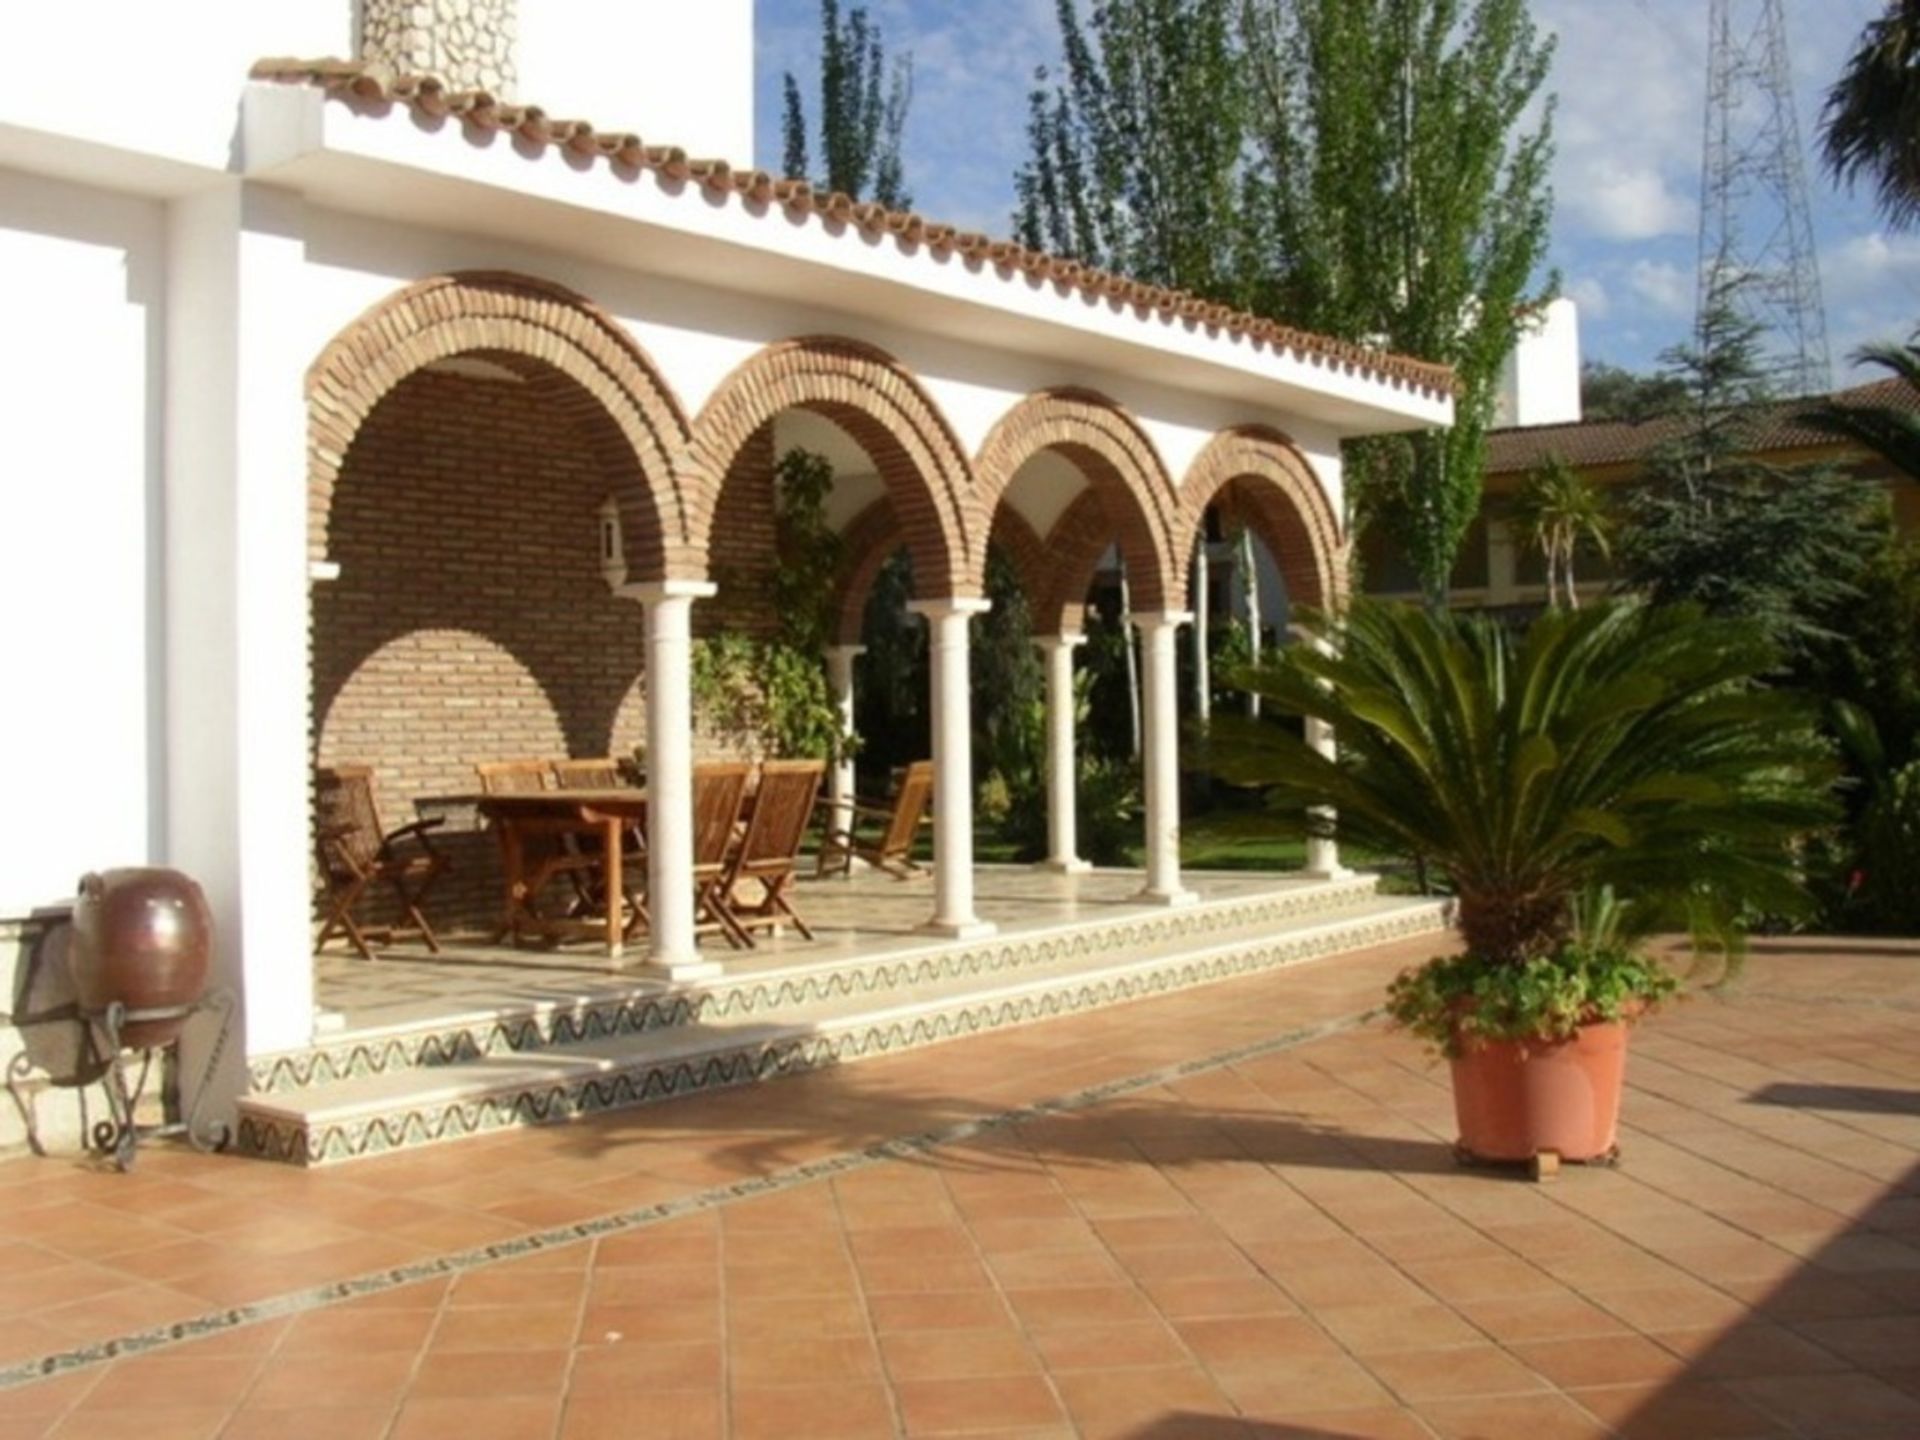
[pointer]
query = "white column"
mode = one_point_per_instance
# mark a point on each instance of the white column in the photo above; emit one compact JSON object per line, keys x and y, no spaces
{"x":840,"y":660}
{"x":674,"y":951}
{"x":1203,"y":628}
{"x":1323,"y":856}
{"x":1162,"y":746}
{"x":953,"y":913}
{"x":1063,"y":841}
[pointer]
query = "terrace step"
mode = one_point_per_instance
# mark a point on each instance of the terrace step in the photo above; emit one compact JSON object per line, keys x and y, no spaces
{"x":532,"y":1069}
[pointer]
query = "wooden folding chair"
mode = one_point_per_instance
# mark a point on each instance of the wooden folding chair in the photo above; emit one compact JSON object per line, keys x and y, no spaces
{"x":892,"y":850}
{"x":719,"y":792}
{"x":354,"y":852}
{"x":770,"y":850}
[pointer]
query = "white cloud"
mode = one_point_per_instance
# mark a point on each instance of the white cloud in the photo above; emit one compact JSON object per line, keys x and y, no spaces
{"x":1665,"y":288}
{"x":1590,"y":294}
{"x":1871,"y":284}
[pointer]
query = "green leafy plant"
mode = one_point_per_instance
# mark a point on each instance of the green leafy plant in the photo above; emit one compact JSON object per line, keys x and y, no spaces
{"x":773,"y":693}
{"x":1623,"y":745}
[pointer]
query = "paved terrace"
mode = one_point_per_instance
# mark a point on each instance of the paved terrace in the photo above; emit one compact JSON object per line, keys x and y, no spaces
{"x":1226,"y":1213}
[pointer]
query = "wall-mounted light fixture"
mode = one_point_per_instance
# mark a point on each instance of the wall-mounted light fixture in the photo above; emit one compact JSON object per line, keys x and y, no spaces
{"x":613,"y":549}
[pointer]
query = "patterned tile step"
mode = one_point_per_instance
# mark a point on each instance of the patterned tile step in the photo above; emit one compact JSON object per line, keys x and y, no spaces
{"x":637,"y":1005}
{"x":403,"y":1109}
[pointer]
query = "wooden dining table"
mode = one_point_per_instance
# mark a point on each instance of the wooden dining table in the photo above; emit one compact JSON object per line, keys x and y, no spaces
{"x":540,"y":833}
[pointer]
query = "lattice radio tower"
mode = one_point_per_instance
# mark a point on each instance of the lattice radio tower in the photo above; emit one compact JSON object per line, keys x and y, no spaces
{"x":1756,"y":229}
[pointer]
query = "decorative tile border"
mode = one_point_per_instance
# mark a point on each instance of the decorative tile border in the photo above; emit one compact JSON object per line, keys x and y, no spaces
{"x":279,"y":1138}
{"x":463,"y":1262}
{"x":538,"y":1028}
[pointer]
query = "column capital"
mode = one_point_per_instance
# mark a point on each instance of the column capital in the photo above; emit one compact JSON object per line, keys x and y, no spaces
{"x":1148,"y":621}
{"x":653,"y":592}
{"x":849,"y":652}
{"x":1059,"y":642}
{"x":945,"y":606}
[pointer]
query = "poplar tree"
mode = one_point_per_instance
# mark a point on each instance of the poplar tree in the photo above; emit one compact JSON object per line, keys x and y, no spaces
{"x":1373,"y":169}
{"x":864,"y":100}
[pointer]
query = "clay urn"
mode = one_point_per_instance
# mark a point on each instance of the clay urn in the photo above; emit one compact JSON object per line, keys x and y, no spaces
{"x":143,"y":937}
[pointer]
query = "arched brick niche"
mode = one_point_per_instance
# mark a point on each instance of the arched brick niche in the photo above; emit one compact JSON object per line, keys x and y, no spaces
{"x":521,"y":323}
{"x":877,"y":402}
{"x":1260,"y":473}
{"x":1134,"y":503}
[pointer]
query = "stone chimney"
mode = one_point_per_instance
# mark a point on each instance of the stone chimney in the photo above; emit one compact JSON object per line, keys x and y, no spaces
{"x":470,"y":44}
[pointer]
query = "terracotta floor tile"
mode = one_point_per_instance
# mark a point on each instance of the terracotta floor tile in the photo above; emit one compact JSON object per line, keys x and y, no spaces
{"x":956,"y":1354}
{"x":643,"y":1367}
{"x":1277,"y":1421}
{"x":1079,"y":1305}
{"x":1375,"y":1329}
{"x":964,"y":1310}
{"x":1179,"y":1299}
{"x":652,"y":1414}
{"x":904,"y":1275}
{"x":1600,"y":1360}
{"x":334,"y":1422}
{"x":532,"y":1326}
{"x":1834,"y":1406}
{"x":786,"y":1281}
{"x":298,"y":1381}
{"x":1021,"y":1234}
{"x":160,"y":1380}
{"x":153,"y":1422}
{"x":802,"y":1361}
{"x":682,"y":1322}
{"x":1146,"y":1345}
{"x":1327,"y":1382}
{"x":495,"y":1286}
{"x":1751,"y":1349}
{"x":794,"y":1315}
{"x":1112,"y":1402}
{"x":476,"y":1374}
{"x":1002,"y":1402}
{"x":1687,"y":1410}
{"x":1870,"y":1342}
{"x":1254,"y":1342}
{"x":1673,"y":1307}
{"x":1507,"y":1417}
{"x":1459,"y":1281}
{"x":498,"y":1417}
{"x":1054,"y":1269}
{"x":1418,"y":1376}
{"x":340,"y":1331}
{"x":854,"y":1411}
{"x":1549,"y":1315}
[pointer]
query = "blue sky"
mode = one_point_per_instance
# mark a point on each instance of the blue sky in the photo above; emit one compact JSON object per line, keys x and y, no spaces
{"x":1630,"y":76}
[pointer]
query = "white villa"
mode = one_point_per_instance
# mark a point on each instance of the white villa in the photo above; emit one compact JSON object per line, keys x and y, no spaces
{"x":345,"y":332}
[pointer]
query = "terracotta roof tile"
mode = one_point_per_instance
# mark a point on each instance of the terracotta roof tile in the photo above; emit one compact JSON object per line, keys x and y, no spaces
{"x":370,"y":83}
{"x":1595,"y":443}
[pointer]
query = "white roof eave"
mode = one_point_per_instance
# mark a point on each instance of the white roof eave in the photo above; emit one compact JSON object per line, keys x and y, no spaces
{"x":437,"y":174}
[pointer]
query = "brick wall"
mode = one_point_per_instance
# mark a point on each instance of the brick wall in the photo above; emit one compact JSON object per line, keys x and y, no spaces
{"x":470,"y":621}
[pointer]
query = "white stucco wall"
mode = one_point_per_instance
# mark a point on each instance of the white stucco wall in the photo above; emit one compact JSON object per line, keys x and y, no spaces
{"x":81,"y":286}
{"x":154,"y":79}
{"x":677,"y":73}
{"x":1540,"y":382}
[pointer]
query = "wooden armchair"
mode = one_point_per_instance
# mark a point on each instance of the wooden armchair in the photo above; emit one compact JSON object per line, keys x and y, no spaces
{"x":719,"y":794}
{"x":354,"y":851}
{"x":770,"y":850}
{"x":892,"y":849}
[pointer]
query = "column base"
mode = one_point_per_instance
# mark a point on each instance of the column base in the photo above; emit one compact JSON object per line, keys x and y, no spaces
{"x":1064,"y":867}
{"x":682,"y":971}
{"x":1331,"y":872}
{"x":960,"y":929}
{"x":1170,"y":899}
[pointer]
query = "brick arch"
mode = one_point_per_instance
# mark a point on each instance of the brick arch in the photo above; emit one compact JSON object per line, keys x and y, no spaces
{"x":1262,"y":472}
{"x":872,"y":537}
{"x":1073,"y":549}
{"x":879,"y":403}
{"x":1121,"y":465}
{"x":620,"y":404}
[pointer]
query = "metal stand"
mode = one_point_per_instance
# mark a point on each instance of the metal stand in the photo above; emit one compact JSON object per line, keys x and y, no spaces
{"x":119,"y":1134}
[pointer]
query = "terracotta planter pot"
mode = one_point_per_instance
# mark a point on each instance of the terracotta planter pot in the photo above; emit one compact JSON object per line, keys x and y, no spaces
{"x":1516,"y":1102}
{"x":143,"y":938}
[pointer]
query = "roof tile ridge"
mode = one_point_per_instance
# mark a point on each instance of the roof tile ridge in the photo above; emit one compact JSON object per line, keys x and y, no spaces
{"x":376,"y":81}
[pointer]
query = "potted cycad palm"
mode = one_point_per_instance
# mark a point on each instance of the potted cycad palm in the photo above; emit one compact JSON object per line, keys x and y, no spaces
{"x":1577,"y":785}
